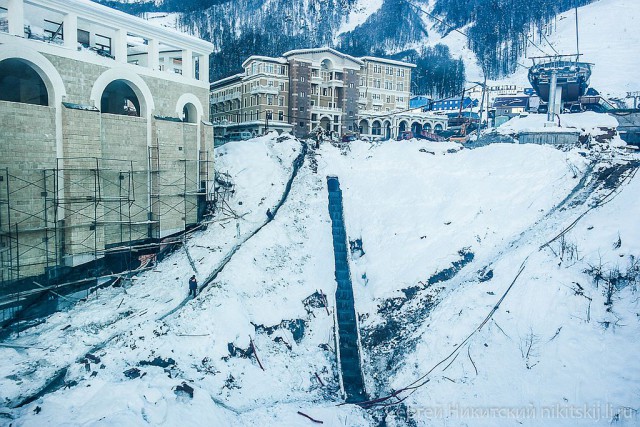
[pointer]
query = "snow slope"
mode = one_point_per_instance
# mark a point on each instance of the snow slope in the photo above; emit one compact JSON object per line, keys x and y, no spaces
{"x":420,"y":209}
{"x":608,"y":38}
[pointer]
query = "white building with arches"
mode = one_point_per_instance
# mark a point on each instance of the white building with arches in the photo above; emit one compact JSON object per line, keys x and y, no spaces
{"x":105,"y":140}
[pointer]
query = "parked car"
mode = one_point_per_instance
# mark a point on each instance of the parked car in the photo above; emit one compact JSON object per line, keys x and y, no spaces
{"x":407,"y":134}
{"x":240,"y":136}
{"x":349,"y":137}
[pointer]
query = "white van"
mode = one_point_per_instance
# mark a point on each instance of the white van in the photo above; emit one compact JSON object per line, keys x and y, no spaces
{"x":240,"y":136}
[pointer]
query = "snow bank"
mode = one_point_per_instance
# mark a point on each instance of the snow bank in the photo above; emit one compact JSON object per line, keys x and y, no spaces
{"x":586,"y":123}
{"x":419,"y":208}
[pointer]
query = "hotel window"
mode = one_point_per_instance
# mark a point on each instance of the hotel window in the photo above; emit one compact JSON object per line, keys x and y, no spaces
{"x":402,"y":73}
{"x":281,"y":116}
{"x":400,"y":87}
{"x":282,"y":86}
{"x":302,"y":78}
{"x":361,"y":81}
{"x":281,"y":101}
{"x":398,"y":72}
{"x":388,"y":99}
{"x":303,"y":94}
{"x":301,"y":109}
{"x":270,"y":83}
{"x":351,"y":85}
{"x":269,"y":100}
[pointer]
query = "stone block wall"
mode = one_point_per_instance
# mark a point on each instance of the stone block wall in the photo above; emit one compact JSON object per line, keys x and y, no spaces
{"x":102,"y":164}
{"x":27,"y":158}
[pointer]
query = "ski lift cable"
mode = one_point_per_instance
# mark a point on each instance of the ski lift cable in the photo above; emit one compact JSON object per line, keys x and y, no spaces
{"x":549,"y":43}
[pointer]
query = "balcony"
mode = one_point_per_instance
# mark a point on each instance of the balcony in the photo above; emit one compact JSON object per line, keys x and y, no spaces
{"x":94,"y":33}
{"x":326,"y":109}
{"x":271,"y":90}
{"x":332,"y":82}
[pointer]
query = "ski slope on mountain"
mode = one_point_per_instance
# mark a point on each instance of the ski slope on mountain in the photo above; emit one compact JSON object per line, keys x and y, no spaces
{"x":257,"y":346}
{"x":609,"y":38}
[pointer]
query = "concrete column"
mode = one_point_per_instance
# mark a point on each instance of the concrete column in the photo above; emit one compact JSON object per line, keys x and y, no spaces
{"x":15,"y":16}
{"x":154,"y":55}
{"x":120,"y":44}
{"x":70,"y":30}
{"x":204,"y":68}
{"x":187,"y":63}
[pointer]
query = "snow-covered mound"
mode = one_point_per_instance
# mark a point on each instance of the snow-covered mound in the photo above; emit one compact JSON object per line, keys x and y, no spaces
{"x":443,"y":233}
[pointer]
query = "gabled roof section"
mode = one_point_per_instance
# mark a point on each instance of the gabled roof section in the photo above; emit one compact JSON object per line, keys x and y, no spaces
{"x":227,"y":80}
{"x":265,"y":59}
{"x":321,"y":50}
{"x":511,"y":102}
{"x":387,"y":61}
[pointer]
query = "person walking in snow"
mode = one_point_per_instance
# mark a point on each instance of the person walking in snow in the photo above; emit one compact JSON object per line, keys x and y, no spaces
{"x":269,"y":214}
{"x":193,"y":286}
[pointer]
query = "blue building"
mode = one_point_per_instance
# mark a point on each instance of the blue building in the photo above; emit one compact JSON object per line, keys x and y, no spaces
{"x":418,"y":101}
{"x":453,"y":103}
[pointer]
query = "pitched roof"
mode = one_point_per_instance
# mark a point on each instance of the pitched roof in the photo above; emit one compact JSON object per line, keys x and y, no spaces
{"x":511,"y":102}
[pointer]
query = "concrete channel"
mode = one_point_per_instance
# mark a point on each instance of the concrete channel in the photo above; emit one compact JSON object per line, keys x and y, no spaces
{"x":347,"y":337}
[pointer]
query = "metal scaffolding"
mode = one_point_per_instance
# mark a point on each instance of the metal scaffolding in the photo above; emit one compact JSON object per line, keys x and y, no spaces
{"x":91,"y":207}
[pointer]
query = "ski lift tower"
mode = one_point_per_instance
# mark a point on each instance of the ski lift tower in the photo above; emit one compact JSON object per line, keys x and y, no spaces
{"x":559,"y":80}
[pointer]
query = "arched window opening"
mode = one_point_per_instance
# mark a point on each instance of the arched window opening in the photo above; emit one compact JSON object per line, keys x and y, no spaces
{"x":119,"y":98}
{"x":189,"y":113}
{"x":376,"y":128}
{"x":21,"y":83}
{"x":364,"y":127}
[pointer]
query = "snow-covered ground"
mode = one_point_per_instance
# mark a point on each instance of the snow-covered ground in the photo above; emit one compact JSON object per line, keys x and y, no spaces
{"x":444,"y":231}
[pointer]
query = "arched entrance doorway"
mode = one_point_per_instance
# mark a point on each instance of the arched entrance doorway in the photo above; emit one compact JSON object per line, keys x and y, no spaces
{"x":363,"y":126}
{"x":387,"y":130}
{"x":376,"y":128}
{"x":416,"y":128}
{"x":325,"y":124}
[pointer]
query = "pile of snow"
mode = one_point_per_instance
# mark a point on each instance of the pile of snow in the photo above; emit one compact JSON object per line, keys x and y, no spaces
{"x":587,"y":122}
{"x":420,"y":209}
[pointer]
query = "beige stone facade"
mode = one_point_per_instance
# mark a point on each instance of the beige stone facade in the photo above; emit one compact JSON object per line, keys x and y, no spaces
{"x":114,"y":153}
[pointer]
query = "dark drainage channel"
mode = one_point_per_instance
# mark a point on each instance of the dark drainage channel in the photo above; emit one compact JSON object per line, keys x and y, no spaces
{"x":347,"y":337}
